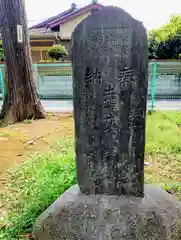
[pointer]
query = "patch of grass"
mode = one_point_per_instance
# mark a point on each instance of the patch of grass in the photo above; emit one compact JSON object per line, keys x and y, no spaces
{"x":163,"y":133}
{"x":163,"y":148}
{"x":49,"y":115}
{"x":35,"y":185}
{"x":28,"y":121}
{"x":5,"y":134}
{"x":1,"y":123}
{"x":173,"y":188}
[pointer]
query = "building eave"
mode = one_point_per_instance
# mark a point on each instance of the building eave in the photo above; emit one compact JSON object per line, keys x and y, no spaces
{"x":75,"y":14}
{"x":47,"y":21}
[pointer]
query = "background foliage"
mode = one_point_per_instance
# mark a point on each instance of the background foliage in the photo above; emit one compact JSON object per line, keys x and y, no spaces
{"x":1,"y":52}
{"x":57,"y":51}
{"x":165,"y":42}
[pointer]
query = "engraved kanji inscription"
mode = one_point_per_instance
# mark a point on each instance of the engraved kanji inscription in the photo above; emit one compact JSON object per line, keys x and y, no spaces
{"x":125,"y":79}
{"x":91,"y":76}
{"x":109,"y":39}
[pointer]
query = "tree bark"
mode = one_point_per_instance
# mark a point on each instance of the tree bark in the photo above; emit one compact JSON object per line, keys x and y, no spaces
{"x":21,"y":99}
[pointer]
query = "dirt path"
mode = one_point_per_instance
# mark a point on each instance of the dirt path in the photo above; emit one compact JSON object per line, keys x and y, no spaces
{"x":19,"y":140}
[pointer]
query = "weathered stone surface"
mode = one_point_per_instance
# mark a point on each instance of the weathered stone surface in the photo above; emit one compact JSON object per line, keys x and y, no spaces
{"x":102,"y":217}
{"x":110,"y":60}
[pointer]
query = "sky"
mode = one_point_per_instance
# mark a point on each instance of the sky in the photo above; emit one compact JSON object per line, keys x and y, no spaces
{"x":153,"y":13}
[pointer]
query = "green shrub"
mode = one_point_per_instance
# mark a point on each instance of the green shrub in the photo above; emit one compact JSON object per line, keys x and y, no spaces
{"x":57,"y":51}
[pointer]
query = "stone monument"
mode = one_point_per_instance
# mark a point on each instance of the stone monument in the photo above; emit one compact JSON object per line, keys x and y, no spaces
{"x":110,"y":64}
{"x":110,"y":94}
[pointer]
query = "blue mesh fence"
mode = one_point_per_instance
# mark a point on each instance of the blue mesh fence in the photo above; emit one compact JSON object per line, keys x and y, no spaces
{"x":164,"y":89}
{"x":1,"y":81}
{"x":54,"y":82}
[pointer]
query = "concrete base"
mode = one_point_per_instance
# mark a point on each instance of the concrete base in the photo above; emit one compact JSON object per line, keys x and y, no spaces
{"x":75,"y":216}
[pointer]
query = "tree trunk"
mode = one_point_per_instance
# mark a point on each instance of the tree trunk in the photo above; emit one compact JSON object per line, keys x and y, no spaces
{"x":21,"y":99}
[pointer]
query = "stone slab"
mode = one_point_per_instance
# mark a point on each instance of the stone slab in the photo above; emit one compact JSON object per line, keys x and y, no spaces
{"x":75,"y":216}
{"x":110,"y":68}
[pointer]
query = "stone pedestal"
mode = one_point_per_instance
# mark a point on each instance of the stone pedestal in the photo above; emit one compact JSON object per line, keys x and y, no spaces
{"x":101,"y":217}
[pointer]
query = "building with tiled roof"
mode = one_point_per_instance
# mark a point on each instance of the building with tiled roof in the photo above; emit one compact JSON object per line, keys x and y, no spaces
{"x":58,"y":28}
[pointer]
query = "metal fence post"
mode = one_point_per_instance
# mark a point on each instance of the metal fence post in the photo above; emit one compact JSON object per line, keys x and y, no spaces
{"x":36,"y":78}
{"x":153,"y":85}
{"x":2,"y":82}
